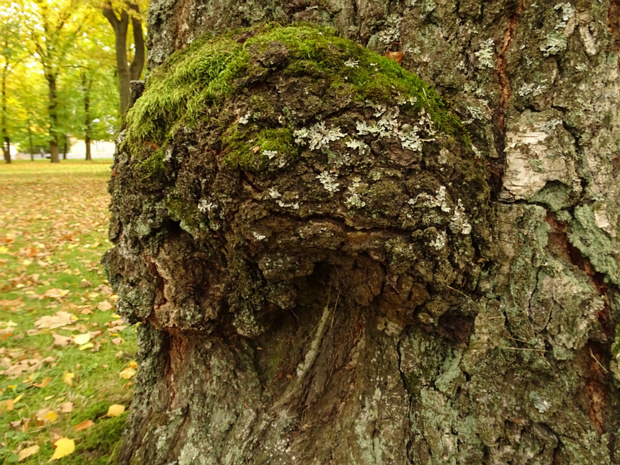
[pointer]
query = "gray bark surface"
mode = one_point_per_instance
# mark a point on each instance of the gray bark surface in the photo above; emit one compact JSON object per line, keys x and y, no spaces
{"x":497,"y":349}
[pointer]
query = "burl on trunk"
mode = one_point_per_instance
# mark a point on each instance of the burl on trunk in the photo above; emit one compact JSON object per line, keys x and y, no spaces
{"x":329,"y":266}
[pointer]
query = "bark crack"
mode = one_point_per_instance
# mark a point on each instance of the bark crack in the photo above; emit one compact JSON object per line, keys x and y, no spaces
{"x":498,"y":166}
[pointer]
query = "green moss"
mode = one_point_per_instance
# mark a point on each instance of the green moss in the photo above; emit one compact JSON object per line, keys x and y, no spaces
{"x":184,"y":212}
{"x":198,"y":79}
{"x":255,"y":150}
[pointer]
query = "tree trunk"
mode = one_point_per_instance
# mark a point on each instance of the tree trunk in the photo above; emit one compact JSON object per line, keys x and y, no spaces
{"x":86,"y":87}
{"x":126,"y":72}
{"x":53,"y":117}
{"x":6,"y":146}
{"x":323,"y":278}
{"x":30,"y":140}
{"x":65,"y":147}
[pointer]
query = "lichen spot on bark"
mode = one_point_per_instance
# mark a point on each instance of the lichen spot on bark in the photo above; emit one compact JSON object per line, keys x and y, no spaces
{"x":264,"y":158}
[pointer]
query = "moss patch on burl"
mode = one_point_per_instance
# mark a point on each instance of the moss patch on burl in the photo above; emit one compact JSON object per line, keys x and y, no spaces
{"x":193,"y":84}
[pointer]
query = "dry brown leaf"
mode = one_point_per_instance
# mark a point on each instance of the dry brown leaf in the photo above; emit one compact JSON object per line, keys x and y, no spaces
{"x":66,"y":407}
{"x":27,"y":452}
{"x":117,"y":340}
{"x":61,"y":341}
{"x":105,"y":306}
{"x":59,"y":320}
{"x":44,"y":382}
{"x":25,"y":366}
{"x":84,"y":425}
{"x":56,"y":293}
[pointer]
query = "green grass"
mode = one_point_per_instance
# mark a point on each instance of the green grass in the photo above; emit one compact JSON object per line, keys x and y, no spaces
{"x":53,"y":231}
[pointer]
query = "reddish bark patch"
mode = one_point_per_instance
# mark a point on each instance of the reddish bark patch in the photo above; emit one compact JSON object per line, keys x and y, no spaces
{"x":596,"y":384}
{"x":497,"y":167}
{"x":613,"y":24}
{"x":502,"y":73}
{"x":597,"y":353}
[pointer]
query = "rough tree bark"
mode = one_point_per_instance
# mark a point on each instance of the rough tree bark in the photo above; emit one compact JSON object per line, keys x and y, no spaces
{"x":365,"y":299}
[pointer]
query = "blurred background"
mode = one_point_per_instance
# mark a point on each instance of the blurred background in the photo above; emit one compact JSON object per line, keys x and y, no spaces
{"x":65,"y":69}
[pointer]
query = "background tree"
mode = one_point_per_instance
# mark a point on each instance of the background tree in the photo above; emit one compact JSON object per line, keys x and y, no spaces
{"x":53,"y":28}
{"x":314,"y":286}
{"x":120,"y":14}
{"x":90,"y":87}
{"x":13,"y":51}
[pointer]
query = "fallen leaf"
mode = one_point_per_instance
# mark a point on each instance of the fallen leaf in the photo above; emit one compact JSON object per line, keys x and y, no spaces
{"x":27,"y":452}
{"x":85,"y":283}
{"x":66,"y":407}
{"x":67,"y":378}
{"x":58,"y":320}
{"x":9,"y":405}
{"x":82,"y":339}
{"x":61,"y":341}
{"x":105,"y":306}
{"x":84,"y":425}
{"x":45,"y":416}
{"x":133,"y":364}
{"x":25,"y":366}
{"x":117,"y":340}
{"x":44,"y":382}
{"x":64,"y":447}
{"x":88,"y":345}
{"x":127,"y":373}
{"x":55,"y":293}
{"x":115,"y":410}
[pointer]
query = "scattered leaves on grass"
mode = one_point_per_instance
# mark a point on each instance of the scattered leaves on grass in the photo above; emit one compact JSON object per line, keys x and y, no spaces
{"x":50,"y":247}
{"x":64,"y":447}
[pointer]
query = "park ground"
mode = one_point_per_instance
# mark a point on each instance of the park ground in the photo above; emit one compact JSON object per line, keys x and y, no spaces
{"x":66,"y":359}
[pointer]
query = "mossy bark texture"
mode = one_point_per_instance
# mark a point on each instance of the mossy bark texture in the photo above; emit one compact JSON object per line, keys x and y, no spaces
{"x":331,"y":263}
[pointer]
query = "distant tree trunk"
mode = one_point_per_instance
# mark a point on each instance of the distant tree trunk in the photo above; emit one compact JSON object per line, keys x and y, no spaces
{"x":86,"y":87}
{"x":65,"y":147}
{"x":30,"y":145}
{"x":6,"y":145}
{"x":126,"y":72}
{"x":53,"y":117}
{"x":337,"y":308}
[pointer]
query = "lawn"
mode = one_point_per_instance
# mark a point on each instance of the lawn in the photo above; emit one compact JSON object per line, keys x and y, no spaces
{"x":65,"y":356}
